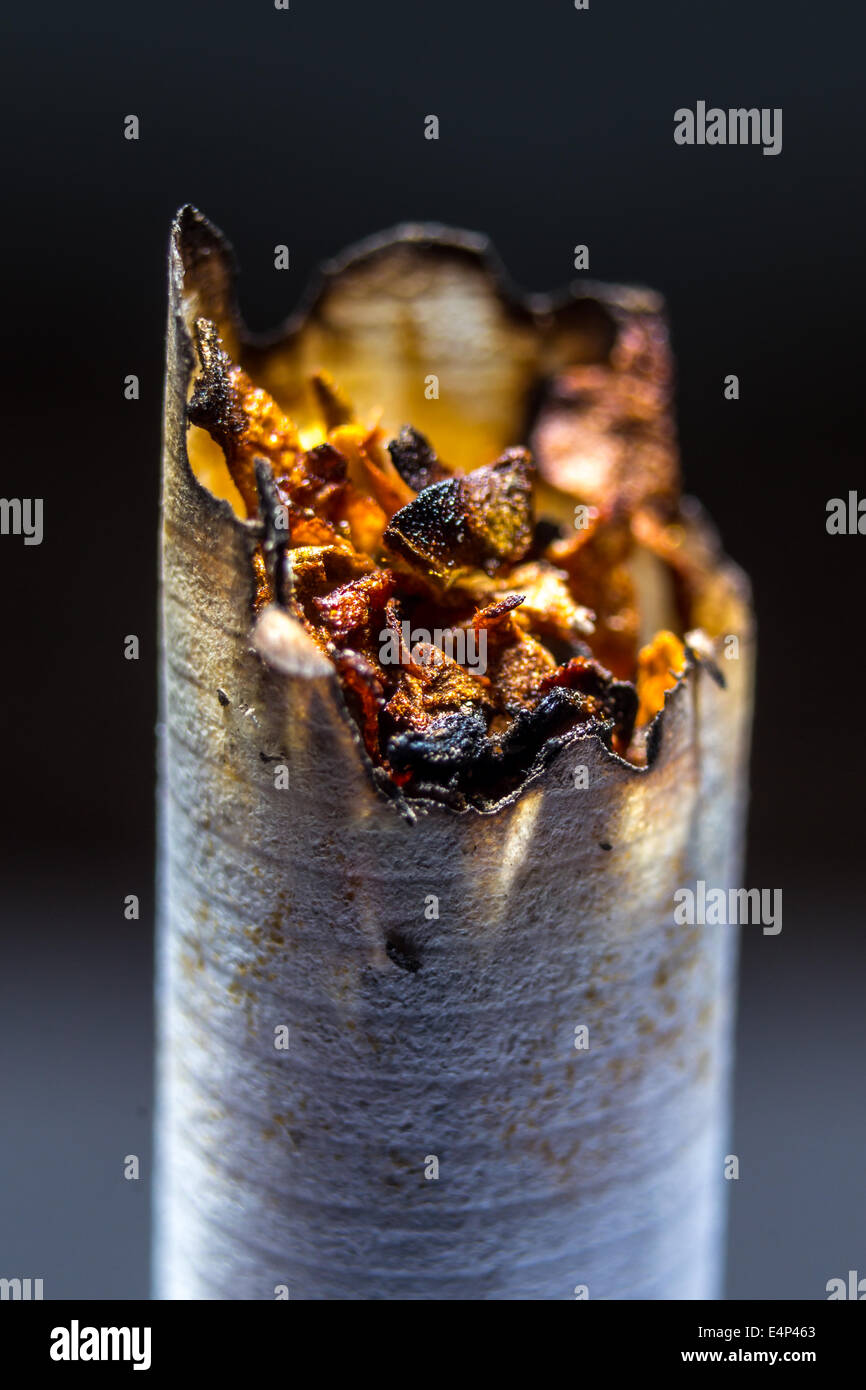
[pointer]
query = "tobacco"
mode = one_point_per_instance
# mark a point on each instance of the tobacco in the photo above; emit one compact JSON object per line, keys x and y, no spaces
{"x":365,"y":538}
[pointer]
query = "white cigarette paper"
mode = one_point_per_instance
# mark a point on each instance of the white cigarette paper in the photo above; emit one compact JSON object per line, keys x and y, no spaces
{"x":464,"y":1055}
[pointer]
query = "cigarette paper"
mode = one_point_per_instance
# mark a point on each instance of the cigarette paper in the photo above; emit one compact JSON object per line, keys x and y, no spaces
{"x":420,"y":1049}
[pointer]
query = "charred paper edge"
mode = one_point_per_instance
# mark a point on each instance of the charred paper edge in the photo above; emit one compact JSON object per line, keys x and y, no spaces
{"x":196,"y":241}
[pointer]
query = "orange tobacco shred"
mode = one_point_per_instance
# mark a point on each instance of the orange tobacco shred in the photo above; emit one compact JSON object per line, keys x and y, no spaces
{"x":660,"y":664}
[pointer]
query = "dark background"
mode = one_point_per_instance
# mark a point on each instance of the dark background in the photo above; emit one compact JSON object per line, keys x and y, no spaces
{"x":306,"y":127}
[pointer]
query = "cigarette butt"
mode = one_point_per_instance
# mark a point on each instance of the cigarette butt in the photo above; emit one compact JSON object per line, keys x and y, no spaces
{"x":407,"y":1051}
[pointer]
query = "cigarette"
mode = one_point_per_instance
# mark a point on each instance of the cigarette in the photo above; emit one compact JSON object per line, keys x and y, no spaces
{"x":427,"y":1028}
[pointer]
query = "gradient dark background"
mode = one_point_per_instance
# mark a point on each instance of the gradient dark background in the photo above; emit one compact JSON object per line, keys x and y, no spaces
{"x":306,"y":127}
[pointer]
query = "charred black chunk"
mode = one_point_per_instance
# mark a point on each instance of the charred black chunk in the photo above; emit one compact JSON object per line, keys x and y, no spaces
{"x":555,"y":714}
{"x":214,"y":405}
{"x":545,"y":532}
{"x":415,"y":459}
{"x":455,"y":760}
{"x":623,"y":701}
{"x":479,"y":521}
{"x":452,"y":747}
